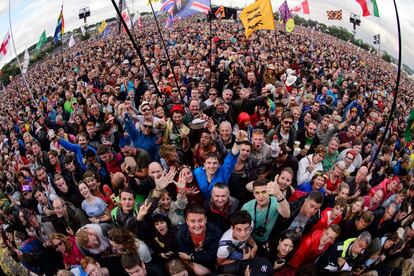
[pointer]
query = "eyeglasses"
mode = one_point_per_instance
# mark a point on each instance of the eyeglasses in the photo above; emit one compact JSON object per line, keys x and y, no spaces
{"x":57,"y":245}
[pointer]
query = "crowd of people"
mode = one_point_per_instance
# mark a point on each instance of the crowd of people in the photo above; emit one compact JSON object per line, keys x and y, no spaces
{"x":247,"y":157}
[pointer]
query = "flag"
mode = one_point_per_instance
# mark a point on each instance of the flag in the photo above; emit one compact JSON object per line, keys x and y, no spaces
{"x":26,"y":61}
{"x":334,"y":15}
{"x":410,"y":126}
{"x":71,"y":41}
{"x":284,"y":13}
{"x":304,"y":7}
{"x":169,"y":23}
{"x":42,"y":40}
{"x":102,"y":27}
{"x":127,"y":19}
{"x":290,"y":25}
{"x":220,"y":13}
{"x":257,"y":16}
{"x":377,"y":39}
{"x":153,"y":1}
{"x":4,"y":44}
{"x":369,"y":7}
{"x":167,"y":6}
{"x":106,"y":32}
{"x":83,"y":31}
{"x":184,"y":8}
{"x":60,"y":28}
{"x":139,"y":20}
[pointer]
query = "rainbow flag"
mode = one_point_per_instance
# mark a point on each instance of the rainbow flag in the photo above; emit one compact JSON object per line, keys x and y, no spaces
{"x":60,"y":28}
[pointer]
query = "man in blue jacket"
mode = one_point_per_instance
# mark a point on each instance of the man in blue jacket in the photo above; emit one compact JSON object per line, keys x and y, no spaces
{"x":211,"y":173}
{"x":80,"y":149}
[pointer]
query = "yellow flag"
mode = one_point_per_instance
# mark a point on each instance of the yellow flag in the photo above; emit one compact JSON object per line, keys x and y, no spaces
{"x":290,"y":25}
{"x":257,"y":16}
{"x":102,"y":27}
{"x":153,"y":1}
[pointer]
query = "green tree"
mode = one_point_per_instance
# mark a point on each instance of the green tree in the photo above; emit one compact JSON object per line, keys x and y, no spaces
{"x":386,"y":57}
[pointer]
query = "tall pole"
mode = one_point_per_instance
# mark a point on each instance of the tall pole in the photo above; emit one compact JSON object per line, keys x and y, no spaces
{"x":166,"y":50}
{"x":397,"y":84}
{"x":210,"y":17}
{"x":20,"y":66}
{"x":61,"y":38}
{"x":141,"y":57}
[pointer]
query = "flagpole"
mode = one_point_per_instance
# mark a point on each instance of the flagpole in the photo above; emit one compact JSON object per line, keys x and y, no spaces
{"x":61,"y":37}
{"x":397,"y":84}
{"x":210,"y":13}
{"x":20,"y":66}
{"x":166,"y":50}
{"x":141,"y":57}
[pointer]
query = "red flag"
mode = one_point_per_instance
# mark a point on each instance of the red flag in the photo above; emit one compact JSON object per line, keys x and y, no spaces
{"x":127,"y":19}
{"x":140,"y":22}
{"x":3,"y":48}
{"x":304,"y":7}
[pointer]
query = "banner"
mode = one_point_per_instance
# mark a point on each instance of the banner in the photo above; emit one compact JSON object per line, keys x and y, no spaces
{"x":257,"y":16}
{"x":42,"y":40}
{"x":334,"y":15}
{"x":102,"y":27}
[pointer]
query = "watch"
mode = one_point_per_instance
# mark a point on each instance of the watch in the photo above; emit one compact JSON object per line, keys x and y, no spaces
{"x":280,"y":200}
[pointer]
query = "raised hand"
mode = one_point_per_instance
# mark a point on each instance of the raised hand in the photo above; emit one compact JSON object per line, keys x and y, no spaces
{"x":167,"y":178}
{"x":143,"y":210}
{"x":181,"y":181}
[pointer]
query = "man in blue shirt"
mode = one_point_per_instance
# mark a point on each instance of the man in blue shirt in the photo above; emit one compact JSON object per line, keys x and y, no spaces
{"x":211,"y":173}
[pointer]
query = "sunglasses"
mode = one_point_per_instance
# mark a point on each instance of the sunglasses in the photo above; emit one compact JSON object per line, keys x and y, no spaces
{"x":175,"y":90}
{"x":288,"y":123}
{"x":147,"y":126}
{"x":57,"y":245}
{"x":212,"y":94}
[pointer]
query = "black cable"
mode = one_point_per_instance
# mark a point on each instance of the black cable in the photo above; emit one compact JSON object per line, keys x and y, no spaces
{"x":138,"y":50}
{"x":397,"y":84}
{"x":166,"y":51}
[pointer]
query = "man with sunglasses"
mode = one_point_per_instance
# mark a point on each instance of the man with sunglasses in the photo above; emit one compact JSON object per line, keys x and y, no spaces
{"x":143,"y":139}
{"x":285,"y":132}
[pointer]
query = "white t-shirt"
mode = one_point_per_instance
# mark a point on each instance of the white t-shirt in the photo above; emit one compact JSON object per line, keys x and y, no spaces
{"x":224,"y":251}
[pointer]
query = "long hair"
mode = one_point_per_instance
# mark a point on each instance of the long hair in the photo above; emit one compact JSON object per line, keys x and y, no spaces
{"x":123,"y":237}
{"x":62,"y":238}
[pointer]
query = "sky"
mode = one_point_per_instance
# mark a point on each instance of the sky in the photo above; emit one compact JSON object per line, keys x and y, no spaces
{"x":30,"y":17}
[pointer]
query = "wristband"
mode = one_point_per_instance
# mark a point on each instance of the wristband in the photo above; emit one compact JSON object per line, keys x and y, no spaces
{"x":280,"y":200}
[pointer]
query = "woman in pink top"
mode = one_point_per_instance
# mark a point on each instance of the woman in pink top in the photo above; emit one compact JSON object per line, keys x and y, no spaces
{"x":66,"y":245}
